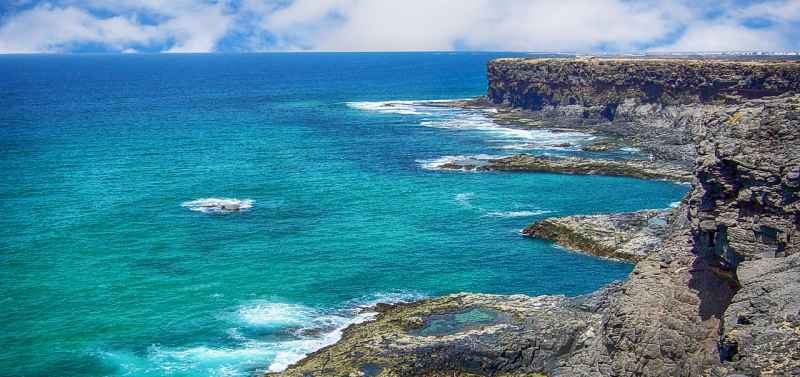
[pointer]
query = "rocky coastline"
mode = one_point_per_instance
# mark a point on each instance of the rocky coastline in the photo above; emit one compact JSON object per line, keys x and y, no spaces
{"x":577,"y":165}
{"x":715,"y":295}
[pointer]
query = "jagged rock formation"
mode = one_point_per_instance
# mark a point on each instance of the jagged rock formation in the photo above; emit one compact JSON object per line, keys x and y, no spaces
{"x":628,"y":236}
{"x":718,"y":297}
{"x":745,"y":214}
{"x":577,"y":165}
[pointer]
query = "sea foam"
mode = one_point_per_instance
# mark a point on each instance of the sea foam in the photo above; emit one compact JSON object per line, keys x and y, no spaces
{"x":304,"y":329}
{"x":511,"y":214}
{"x":464,"y":199}
{"x":434,"y":115}
{"x":218,"y":205}
{"x":471,"y":160}
{"x":403,"y":107}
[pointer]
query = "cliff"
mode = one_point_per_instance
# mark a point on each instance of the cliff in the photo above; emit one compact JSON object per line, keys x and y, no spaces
{"x":651,"y":103}
{"x":717,"y":296}
{"x":537,"y":84}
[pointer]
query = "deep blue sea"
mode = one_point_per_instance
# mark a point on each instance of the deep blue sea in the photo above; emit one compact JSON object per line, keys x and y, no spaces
{"x":112,"y":263}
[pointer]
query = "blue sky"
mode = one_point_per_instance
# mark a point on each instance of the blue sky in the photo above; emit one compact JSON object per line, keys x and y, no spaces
{"x":129,"y":26}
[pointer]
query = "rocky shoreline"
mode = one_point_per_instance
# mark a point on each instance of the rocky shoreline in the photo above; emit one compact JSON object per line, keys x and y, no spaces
{"x":577,"y":165}
{"x":628,"y":236}
{"x":716,"y":297}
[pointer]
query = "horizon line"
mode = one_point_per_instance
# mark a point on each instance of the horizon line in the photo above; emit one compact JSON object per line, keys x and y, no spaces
{"x":575,"y":53}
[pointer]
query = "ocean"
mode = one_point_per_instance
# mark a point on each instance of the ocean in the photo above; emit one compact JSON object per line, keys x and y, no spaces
{"x":115,"y":261}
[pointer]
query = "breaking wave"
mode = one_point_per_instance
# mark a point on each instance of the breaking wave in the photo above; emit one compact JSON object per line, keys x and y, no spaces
{"x":402,"y":107}
{"x":433,"y":114}
{"x":302,"y":329}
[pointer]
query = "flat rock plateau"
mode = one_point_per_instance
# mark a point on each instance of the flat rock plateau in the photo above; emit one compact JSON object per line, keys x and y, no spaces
{"x":714,"y":291}
{"x":577,"y":165}
{"x":626,"y":236}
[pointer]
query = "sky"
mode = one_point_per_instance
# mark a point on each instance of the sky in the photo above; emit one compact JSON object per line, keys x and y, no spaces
{"x":599,"y":26}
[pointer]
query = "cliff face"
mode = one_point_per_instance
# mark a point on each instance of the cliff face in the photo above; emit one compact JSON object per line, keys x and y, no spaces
{"x":652,"y":103}
{"x":745,"y":223}
{"x":718,"y":297}
{"x":537,"y":84}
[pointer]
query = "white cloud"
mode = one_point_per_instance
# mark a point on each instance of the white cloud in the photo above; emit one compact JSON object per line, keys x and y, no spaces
{"x":726,"y":37}
{"x":476,"y":24}
{"x":198,"y":30}
{"x":46,"y":28}
{"x":370,"y":25}
{"x":527,"y":25}
{"x":187,"y":26}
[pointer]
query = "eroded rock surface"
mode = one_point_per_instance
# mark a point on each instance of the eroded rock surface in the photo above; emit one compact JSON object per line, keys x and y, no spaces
{"x":745,"y":221}
{"x":628,"y":236}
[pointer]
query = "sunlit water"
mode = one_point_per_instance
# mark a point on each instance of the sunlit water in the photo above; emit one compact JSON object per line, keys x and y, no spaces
{"x":221,"y":215}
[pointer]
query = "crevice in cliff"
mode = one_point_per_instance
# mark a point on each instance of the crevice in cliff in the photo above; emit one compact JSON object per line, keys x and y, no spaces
{"x":713,"y":246}
{"x":652,"y":92}
{"x":610,"y":111}
{"x":728,"y":350}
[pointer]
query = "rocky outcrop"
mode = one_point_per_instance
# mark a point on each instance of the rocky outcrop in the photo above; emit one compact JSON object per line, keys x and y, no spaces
{"x":716,"y":298}
{"x":626,"y":236}
{"x":651,"y":103}
{"x":600,"y":146}
{"x":577,"y":165}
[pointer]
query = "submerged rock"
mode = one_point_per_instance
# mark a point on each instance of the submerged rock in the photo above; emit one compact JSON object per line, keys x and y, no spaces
{"x":218,"y":205}
{"x":627,"y":236}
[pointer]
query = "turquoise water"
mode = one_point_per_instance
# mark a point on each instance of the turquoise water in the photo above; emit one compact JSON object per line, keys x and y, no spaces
{"x":106,"y":270}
